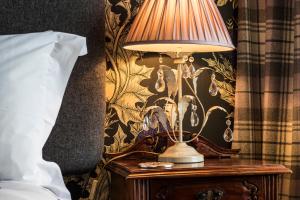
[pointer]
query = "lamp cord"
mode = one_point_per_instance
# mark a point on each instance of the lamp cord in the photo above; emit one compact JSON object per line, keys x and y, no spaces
{"x":127,"y":154}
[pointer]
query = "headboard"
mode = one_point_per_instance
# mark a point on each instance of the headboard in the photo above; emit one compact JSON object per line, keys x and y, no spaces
{"x":77,"y":138}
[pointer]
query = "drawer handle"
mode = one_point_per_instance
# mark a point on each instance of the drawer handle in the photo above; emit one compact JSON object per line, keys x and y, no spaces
{"x":214,"y":194}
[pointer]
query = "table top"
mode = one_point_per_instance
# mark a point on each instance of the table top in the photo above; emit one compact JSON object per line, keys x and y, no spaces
{"x":129,"y":169}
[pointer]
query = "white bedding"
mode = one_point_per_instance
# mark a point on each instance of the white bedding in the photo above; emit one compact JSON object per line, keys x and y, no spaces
{"x":14,"y":190}
{"x":34,"y":72}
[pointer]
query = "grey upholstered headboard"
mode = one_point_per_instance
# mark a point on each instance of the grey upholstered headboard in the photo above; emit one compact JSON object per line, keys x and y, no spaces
{"x":77,"y":138}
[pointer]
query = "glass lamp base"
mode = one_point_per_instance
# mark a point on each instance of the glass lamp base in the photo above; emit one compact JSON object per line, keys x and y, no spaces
{"x":181,"y":153}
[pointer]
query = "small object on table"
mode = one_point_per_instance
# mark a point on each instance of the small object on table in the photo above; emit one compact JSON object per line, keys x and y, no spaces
{"x":148,"y":165}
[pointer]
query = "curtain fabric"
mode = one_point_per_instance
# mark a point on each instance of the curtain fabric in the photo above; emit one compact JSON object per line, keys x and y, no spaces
{"x":267,"y":110}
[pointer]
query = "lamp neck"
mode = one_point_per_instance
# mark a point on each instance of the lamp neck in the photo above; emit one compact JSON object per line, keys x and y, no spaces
{"x":180,"y":108}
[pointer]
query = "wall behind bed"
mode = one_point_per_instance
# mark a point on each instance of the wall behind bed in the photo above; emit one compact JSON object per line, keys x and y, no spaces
{"x":131,"y":77}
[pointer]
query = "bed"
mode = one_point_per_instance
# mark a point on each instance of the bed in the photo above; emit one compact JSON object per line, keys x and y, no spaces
{"x":76,"y":140}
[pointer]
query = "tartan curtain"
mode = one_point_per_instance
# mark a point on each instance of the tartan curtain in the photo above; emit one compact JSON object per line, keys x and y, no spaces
{"x":267,"y":110}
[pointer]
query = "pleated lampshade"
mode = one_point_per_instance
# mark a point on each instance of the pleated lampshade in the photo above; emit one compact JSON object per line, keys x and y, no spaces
{"x":178,"y":25}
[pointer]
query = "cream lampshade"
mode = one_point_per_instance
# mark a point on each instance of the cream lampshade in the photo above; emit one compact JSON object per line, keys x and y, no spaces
{"x":179,"y":26}
{"x":188,"y":25}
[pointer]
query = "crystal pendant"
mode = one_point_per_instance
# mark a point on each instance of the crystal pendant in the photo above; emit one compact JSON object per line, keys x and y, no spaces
{"x":160,"y":84}
{"x":146,"y":123}
{"x":228,"y":135}
{"x":228,"y":122}
{"x":194,"y":116}
{"x":194,"y":119}
{"x":191,"y":59}
{"x":213,"y":88}
{"x":191,"y":67}
{"x":160,"y":60}
{"x":186,"y":72}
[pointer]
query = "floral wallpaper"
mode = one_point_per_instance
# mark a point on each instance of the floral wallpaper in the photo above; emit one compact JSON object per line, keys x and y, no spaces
{"x":132,"y":87}
{"x":131,"y":78}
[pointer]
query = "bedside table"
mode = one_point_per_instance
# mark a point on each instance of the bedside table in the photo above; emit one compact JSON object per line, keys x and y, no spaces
{"x":215,"y":179}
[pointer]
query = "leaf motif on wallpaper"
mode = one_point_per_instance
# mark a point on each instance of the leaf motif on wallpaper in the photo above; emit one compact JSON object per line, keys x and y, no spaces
{"x":108,"y":123}
{"x":221,"y":3}
{"x":234,"y":3}
{"x":117,"y":17}
{"x":223,"y":67}
{"x":130,"y":92}
{"x":135,"y":128}
{"x":111,"y":24}
{"x":227,"y":91}
{"x":230,"y":24}
{"x":119,"y":142}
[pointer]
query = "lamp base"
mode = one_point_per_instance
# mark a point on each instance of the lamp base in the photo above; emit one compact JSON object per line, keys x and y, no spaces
{"x":181,"y":153}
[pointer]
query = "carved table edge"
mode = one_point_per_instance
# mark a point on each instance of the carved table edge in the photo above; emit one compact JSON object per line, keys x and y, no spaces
{"x":201,"y":144}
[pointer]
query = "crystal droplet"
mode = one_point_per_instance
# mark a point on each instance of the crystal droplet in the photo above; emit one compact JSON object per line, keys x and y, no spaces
{"x":194,"y":119}
{"x":228,"y":122}
{"x":160,"y":85}
{"x":160,"y":60}
{"x":228,"y":135}
{"x":213,"y":89}
{"x":213,"y":77}
{"x":191,"y":59}
{"x":186,"y":72}
{"x":146,"y":123}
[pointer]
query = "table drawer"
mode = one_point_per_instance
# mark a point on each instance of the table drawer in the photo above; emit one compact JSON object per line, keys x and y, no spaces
{"x":224,"y":188}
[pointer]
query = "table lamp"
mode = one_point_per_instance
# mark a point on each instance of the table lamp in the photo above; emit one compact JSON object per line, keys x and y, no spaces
{"x":179,"y":28}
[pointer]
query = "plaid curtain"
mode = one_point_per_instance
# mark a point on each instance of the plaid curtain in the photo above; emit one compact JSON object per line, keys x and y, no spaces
{"x":267,"y":110}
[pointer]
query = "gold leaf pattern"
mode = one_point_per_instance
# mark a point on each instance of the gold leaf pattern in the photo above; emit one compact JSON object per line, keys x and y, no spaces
{"x":227,"y":91}
{"x":234,"y":3}
{"x":119,"y":142}
{"x":131,"y":92}
{"x":125,"y":96}
{"x":221,"y":2}
{"x":230,"y":24}
{"x":223,"y":67}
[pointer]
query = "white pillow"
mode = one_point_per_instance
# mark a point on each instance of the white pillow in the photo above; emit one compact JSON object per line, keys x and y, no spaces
{"x":34,"y":71}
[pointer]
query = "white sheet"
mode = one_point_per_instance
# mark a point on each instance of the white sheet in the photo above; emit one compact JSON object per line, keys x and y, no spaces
{"x":17,"y":190}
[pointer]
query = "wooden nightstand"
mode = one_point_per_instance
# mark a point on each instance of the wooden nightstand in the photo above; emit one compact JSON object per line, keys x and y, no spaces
{"x":220,"y":177}
{"x":226,"y":179}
